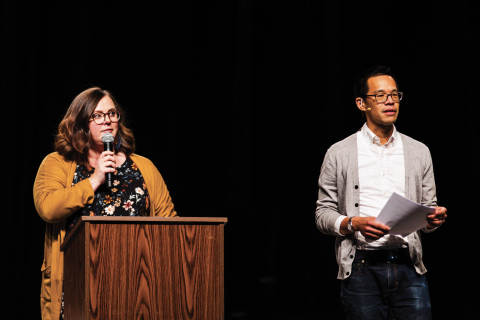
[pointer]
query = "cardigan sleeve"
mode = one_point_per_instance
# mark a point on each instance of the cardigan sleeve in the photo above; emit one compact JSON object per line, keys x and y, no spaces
{"x":54,"y":198}
{"x":161,"y":202}
{"x":327,"y":212}
{"x":429,"y":194}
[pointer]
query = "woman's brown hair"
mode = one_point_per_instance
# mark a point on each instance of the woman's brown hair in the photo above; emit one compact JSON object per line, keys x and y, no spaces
{"x":74,"y":139}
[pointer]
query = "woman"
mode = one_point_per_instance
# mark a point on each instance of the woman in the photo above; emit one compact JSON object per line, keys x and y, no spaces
{"x":71,"y":182}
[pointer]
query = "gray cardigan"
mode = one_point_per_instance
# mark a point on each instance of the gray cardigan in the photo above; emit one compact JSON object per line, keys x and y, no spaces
{"x":339,"y":194}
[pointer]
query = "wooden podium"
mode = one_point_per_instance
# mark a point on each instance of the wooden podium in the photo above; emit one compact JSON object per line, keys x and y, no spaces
{"x":144,"y":268}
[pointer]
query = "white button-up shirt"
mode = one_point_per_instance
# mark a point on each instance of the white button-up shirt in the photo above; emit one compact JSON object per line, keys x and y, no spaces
{"x":381,"y":170}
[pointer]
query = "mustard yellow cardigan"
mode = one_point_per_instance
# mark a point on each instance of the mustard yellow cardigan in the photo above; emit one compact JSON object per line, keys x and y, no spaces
{"x":56,"y":199}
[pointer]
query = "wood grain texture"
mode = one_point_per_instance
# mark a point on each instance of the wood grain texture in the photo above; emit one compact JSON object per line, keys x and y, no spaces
{"x":74,"y":276}
{"x":154,"y":270}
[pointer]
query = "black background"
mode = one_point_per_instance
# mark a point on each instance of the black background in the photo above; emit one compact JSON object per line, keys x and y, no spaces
{"x":236,"y":104}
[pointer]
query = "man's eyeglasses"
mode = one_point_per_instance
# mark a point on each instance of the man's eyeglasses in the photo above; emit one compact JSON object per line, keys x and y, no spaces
{"x":383,"y":97}
{"x":99,"y":117}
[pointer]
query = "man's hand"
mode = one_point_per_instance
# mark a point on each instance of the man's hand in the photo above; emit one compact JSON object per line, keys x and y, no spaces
{"x":436,"y":219}
{"x":366,"y":226}
{"x":369,"y":228}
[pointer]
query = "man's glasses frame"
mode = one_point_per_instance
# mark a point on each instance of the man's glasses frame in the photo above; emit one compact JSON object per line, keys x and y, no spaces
{"x":383,"y":97}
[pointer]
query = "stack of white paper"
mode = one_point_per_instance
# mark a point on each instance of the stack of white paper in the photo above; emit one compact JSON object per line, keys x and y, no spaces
{"x":403,"y":216}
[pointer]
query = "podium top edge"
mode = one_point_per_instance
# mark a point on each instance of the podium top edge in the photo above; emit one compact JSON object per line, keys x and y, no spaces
{"x":153,"y":219}
{"x":132,"y":220}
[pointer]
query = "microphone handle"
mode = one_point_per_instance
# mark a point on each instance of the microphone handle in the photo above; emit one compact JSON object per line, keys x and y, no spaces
{"x":108,"y":146}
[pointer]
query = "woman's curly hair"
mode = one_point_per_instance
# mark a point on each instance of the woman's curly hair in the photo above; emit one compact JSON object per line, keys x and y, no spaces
{"x":74,"y":140}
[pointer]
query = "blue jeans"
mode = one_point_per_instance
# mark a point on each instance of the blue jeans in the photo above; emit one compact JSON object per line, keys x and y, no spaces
{"x":385,"y":290}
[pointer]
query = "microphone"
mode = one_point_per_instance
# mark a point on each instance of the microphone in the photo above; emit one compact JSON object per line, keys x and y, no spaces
{"x":107,"y":140}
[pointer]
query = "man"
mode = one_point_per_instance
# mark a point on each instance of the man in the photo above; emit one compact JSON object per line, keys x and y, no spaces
{"x":382,"y":275}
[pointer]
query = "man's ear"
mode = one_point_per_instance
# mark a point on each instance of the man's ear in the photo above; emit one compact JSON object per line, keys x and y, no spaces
{"x":360,"y":104}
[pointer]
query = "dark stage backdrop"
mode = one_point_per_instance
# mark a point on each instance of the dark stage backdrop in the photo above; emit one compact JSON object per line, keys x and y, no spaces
{"x":236,"y":103}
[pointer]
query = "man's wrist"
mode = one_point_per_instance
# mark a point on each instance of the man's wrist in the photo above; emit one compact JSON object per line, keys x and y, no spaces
{"x":350,"y":225}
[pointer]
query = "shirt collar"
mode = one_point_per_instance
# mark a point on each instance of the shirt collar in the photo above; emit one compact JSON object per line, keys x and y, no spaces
{"x":371,"y":138}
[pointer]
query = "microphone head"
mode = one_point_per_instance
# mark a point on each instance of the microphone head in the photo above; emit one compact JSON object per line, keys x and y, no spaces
{"x":107,"y":137}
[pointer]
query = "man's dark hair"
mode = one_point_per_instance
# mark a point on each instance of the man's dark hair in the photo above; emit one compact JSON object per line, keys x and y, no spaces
{"x":361,"y":85}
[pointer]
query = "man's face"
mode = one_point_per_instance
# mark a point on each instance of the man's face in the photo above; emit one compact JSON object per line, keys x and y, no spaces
{"x":381,"y":114}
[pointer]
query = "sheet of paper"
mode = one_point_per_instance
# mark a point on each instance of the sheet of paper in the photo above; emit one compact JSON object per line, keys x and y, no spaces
{"x":403,"y":216}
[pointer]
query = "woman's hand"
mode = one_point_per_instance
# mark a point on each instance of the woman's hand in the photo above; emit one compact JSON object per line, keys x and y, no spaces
{"x":106,"y":163}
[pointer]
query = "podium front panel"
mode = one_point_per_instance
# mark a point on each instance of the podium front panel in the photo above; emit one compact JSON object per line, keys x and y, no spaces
{"x":145,"y":271}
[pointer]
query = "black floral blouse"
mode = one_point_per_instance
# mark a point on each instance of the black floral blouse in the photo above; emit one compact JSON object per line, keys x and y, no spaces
{"x":128,"y":197}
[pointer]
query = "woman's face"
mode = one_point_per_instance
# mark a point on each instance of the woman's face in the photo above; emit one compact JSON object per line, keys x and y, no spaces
{"x":98,"y":130}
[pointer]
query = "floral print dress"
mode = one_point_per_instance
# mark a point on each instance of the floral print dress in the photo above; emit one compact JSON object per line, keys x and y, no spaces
{"x":128,"y":197}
